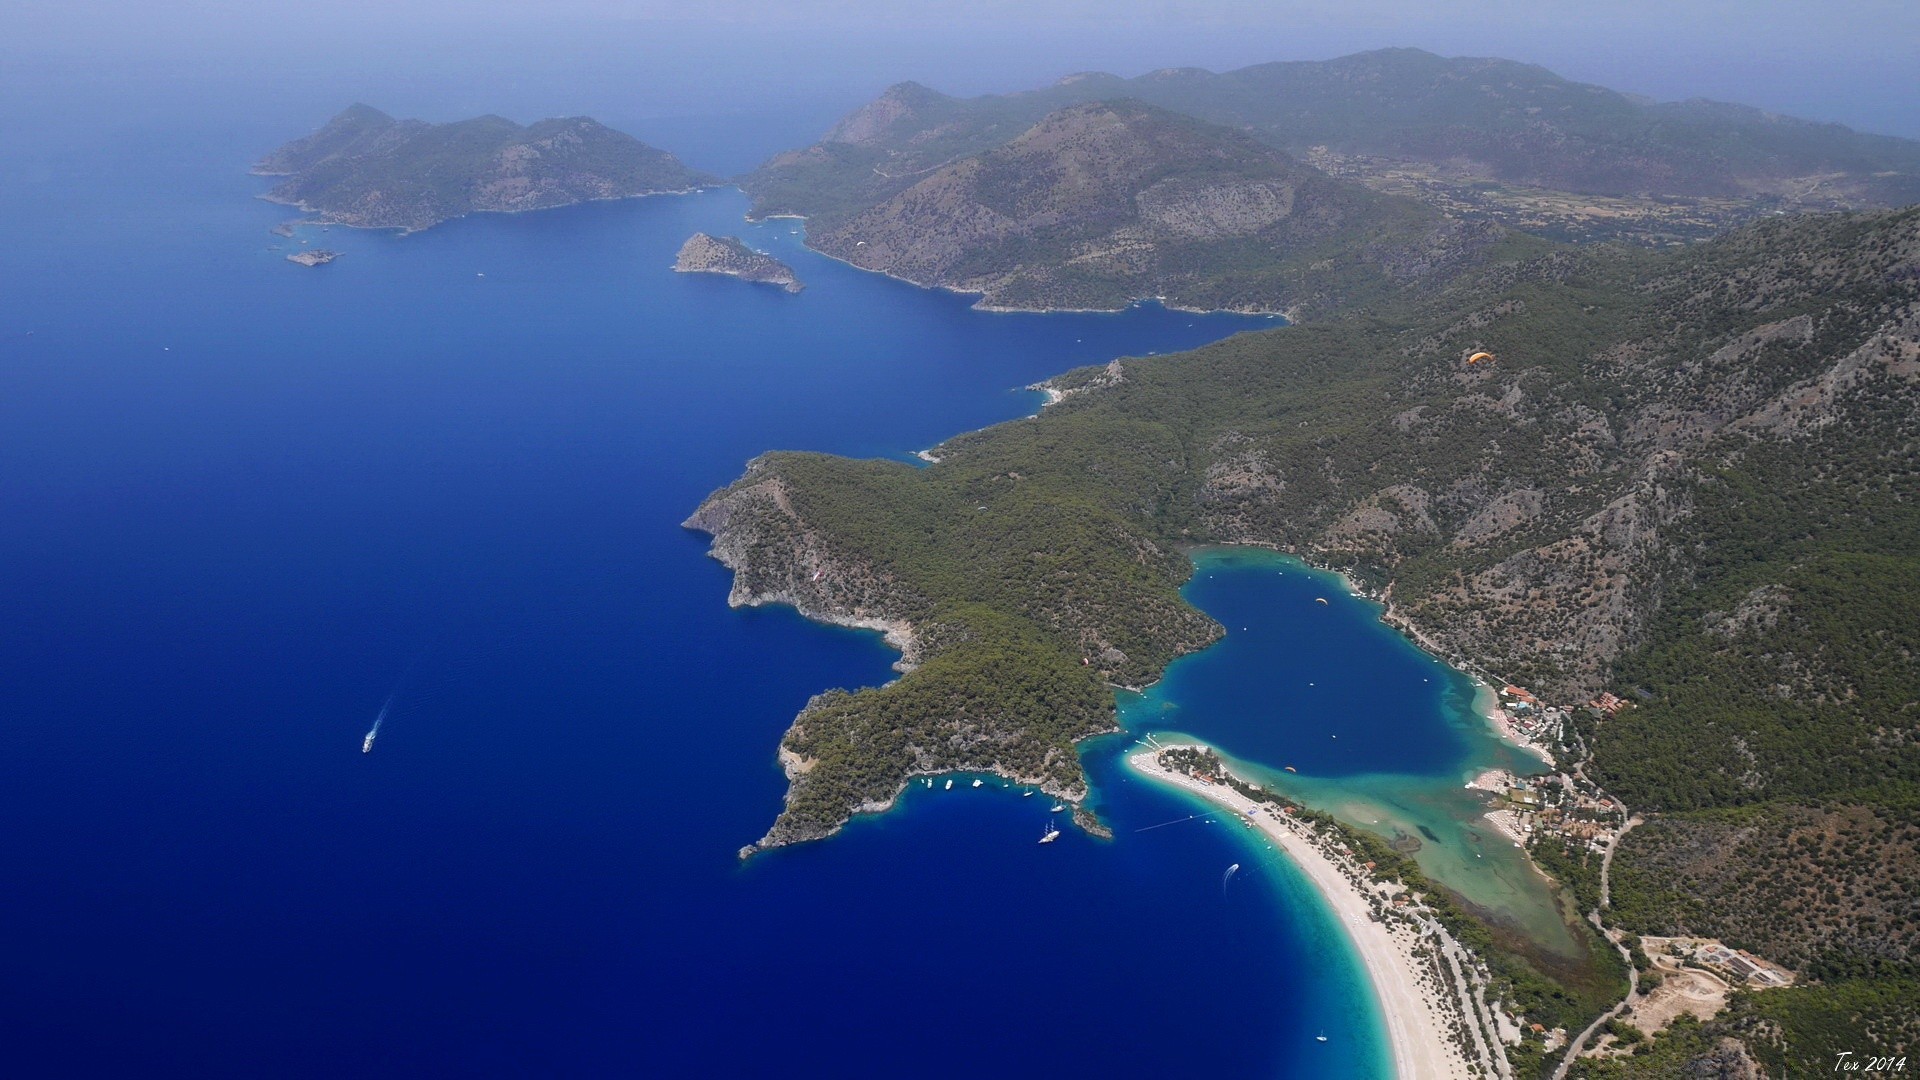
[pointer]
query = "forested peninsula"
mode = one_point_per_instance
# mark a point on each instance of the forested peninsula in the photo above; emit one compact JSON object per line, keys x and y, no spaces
{"x":1684,"y":476}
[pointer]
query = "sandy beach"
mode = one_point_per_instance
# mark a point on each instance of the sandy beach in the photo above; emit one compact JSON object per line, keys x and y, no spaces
{"x":1419,"y":1014}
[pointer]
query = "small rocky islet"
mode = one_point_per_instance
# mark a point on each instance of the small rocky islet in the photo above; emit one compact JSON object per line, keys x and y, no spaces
{"x":704,"y":254}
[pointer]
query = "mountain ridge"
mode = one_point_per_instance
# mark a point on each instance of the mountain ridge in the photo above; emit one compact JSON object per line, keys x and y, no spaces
{"x":1104,"y":203}
{"x":1476,"y":137}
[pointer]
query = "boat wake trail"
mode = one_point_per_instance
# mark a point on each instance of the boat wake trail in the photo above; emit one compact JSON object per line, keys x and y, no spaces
{"x":1176,"y":821}
{"x":1228,"y":876}
{"x":366,"y":745}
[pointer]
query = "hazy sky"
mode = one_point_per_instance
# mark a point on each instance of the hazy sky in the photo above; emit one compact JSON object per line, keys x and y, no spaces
{"x":1848,"y":61}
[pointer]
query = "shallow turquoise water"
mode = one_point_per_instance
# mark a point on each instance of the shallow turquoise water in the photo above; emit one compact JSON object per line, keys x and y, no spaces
{"x":1380,"y":733}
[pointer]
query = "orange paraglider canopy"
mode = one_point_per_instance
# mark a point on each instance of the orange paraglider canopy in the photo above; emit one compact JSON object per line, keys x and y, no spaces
{"x":1479,"y":358}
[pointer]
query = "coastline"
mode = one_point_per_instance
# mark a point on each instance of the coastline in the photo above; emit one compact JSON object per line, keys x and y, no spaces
{"x":1486,"y":703}
{"x":899,"y":634}
{"x":1418,"y":1016}
{"x":408,"y":230}
{"x":980,"y":303}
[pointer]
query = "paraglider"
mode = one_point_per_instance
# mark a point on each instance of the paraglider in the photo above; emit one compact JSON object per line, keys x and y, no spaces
{"x":1480,"y":358}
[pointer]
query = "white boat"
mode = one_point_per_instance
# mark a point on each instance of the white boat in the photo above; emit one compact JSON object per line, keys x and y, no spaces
{"x":1057,"y":807}
{"x":366,"y":745}
{"x":1052,"y":834}
{"x":1319,"y":1038}
{"x":949,"y":786}
{"x":977,"y":783}
{"x":1026,"y":794}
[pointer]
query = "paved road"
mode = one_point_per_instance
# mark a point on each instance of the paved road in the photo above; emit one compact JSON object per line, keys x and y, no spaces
{"x":1606,"y":900}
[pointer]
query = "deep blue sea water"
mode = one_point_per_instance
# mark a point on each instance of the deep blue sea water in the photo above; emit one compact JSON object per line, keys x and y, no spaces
{"x":1308,"y":676}
{"x":243,"y":502}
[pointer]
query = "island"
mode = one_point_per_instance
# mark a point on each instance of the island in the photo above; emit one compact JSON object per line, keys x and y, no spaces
{"x":729,"y":255}
{"x":315,"y":257}
{"x":367,"y":169}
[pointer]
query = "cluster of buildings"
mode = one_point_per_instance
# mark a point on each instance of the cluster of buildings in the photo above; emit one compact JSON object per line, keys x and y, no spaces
{"x":1556,"y":805}
{"x":1742,"y":965}
{"x":1736,"y":965}
{"x":1531,"y":721}
{"x":1609,"y":704}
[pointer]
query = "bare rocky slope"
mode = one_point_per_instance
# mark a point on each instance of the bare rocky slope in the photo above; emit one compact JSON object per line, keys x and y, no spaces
{"x":1101,"y":204}
{"x":1484,"y":141}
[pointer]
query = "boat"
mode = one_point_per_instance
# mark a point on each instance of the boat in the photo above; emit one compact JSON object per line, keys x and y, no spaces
{"x":977,"y":783}
{"x":1052,"y":834}
{"x":1291,"y":769}
{"x":1057,"y":807}
{"x":1319,"y":599}
{"x":1026,"y":794}
{"x":1320,"y":1038}
{"x":949,"y":786}
{"x":366,"y":745}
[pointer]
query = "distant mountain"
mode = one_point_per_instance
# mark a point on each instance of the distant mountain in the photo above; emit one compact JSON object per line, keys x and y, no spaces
{"x":366,"y":168}
{"x":1454,"y":131}
{"x":1099,"y":204}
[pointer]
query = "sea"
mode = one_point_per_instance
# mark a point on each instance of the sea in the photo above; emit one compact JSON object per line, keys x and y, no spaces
{"x":247,"y":506}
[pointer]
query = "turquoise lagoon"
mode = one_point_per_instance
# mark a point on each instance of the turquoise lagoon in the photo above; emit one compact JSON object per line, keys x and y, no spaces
{"x":1380,"y":733}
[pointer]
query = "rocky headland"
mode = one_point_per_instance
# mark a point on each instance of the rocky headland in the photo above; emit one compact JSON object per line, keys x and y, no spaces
{"x":1098,"y":205}
{"x":315,"y":257}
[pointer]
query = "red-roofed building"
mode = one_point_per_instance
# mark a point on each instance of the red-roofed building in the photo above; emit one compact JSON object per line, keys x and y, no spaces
{"x":1520,"y":693}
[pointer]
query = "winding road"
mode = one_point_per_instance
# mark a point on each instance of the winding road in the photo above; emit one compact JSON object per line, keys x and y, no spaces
{"x":1579,"y":1043}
